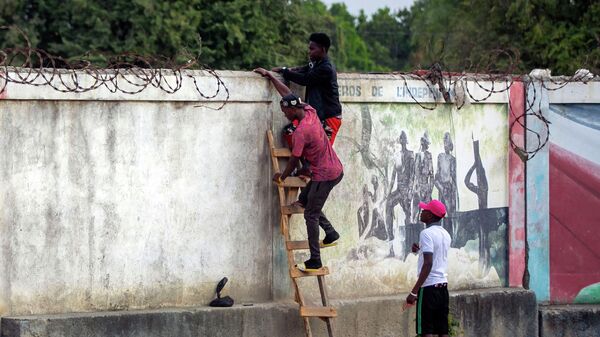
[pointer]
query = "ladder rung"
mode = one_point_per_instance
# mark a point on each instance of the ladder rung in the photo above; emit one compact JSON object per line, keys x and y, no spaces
{"x":293,"y":182}
{"x":288,"y":210}
{"x":318,"y":312}
{"x":298,"y":245}
{"x":282,"y":152}
{"x":295,"y":272}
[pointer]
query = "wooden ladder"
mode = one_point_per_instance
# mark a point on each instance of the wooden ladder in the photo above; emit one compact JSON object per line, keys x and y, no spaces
{"x":288,"y":193}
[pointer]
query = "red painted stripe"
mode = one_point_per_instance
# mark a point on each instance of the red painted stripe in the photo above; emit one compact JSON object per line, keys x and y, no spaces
{"x":516,"y":183}
{"x":585,"y":172}
{"x":574,"y":216}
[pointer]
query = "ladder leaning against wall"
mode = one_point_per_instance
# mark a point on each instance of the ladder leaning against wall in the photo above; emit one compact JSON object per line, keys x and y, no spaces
{"x":288,"y":193}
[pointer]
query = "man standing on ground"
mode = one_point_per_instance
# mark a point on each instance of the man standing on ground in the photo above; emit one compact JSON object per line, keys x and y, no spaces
{"x":311,"y":143}
{"x":431,"y":289}
{"x":320,"y":79}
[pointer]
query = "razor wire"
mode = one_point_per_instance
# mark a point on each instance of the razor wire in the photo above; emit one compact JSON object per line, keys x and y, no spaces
{"x":126,"y":73}
{"x":493,"y":80}
{"x":131,"y":73}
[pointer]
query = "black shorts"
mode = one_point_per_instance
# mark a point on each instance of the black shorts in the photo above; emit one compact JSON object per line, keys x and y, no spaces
{"x":432,"y":310}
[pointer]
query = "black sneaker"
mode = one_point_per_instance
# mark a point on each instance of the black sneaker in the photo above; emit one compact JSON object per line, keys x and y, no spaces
{"x":310,"y":265}
{"x":330,"y":239}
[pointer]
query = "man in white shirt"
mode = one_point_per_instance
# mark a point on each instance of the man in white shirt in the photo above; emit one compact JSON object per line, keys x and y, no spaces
{"x":431,"y":289}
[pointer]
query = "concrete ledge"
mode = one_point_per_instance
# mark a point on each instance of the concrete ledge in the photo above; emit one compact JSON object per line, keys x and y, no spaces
{"x":497,"y":312}
{"x":491,"y":312}
{"x":570,"y":321}
{"x":259,"y":320}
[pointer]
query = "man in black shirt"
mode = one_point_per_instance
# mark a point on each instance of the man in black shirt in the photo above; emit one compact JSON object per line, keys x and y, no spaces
{"x":320,"y":79}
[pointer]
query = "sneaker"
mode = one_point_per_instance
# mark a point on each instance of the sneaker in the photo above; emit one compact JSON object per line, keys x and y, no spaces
{"x":310,"y":265}
{"x":330,"y":239}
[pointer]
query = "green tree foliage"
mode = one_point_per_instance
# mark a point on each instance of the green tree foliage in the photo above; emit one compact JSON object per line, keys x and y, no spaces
{"x":561,"y":35}
{"x":388,"y":37}
{"x":71,"y":28}
{"x":299,"y":20}
{"x":239,"y":34}
{"x":350,"y":52}
{"x":229,"y":34}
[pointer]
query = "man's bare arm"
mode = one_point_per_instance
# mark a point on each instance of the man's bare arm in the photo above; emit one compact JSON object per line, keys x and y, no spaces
{"x":427,"y":265}
{"x":281,"y":88}
{"x":425,"y":270}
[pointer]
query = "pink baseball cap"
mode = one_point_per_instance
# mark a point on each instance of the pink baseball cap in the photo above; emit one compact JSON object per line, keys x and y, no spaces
{"x":434,"y":206}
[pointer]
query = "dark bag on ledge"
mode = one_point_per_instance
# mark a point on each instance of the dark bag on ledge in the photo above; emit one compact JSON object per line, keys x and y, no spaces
{"x":221,"y":301}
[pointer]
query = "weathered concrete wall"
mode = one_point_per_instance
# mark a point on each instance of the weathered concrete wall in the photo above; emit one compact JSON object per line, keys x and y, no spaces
{"x":569,"y":321}
{"x":505,"y":312}
{"x":494,"y":313}
{"x":115,"y":201}
{"x":133,"y":204}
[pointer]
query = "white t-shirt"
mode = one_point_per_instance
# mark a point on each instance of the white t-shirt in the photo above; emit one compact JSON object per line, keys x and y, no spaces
{"x":435,"y":239}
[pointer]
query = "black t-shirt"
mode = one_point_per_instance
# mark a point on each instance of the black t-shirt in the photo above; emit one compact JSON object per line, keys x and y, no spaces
{"x":320,"y":81}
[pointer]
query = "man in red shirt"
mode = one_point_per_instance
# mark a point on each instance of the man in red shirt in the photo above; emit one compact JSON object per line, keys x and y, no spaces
{"x":311,"y":143}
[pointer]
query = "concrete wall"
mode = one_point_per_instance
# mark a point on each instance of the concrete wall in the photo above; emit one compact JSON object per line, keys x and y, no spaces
{"x":494,"y":312}
{"x":130,"y":202}
{"x":569,"y":321}
{"x":116,"y":201}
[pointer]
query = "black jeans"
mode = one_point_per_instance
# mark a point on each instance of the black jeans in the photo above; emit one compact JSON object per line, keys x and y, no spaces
{"x":313,"y":197}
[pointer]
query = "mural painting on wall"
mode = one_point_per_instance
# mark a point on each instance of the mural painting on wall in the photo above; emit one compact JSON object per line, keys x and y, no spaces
{"x":574,"y":200}
{"x":397,"y":175}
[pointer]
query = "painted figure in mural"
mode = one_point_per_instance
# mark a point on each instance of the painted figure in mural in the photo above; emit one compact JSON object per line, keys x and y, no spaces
{"x":364,"y":211}
{"x":402,"y":177}
{"x":445,"y":182}
{"x":319,"y":77}
{"x":373,"y":226}
{"x":311,"y":143}
{"x":431,"y":289}
{"x":481,"y":189}
{"x":423,"y":177}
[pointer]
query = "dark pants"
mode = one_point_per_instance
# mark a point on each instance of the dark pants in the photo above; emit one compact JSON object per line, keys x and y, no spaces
{"x":313,"y":197}
{"x":432,"y":310}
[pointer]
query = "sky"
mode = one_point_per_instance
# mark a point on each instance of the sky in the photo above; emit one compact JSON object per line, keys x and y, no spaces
{"x":370,"y":7}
